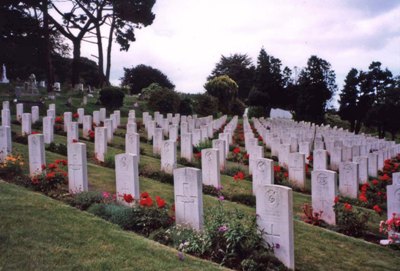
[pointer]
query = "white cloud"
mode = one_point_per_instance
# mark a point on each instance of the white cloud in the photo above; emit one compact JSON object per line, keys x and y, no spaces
{"x":188,"y":37}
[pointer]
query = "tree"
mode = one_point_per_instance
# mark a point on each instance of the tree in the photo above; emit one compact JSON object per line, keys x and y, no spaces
{"x":165,"y":101}
{"x":239,"y":67}
{"x":225,"y":90}
{"x":269,"y":82}
{"x":316,"y":87}
{"x":205,"y":105}
{"x":348,"y":109}
{"x":120,"y":18}
{"x":142,"y":76}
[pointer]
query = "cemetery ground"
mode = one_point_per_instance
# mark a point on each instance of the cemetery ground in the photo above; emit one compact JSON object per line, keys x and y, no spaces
{"x":315,"y":248}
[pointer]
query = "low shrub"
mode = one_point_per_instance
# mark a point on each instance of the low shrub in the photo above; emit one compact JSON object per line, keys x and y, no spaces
{"x":350,"y":221}
{"x":111,"y":97}
{"x":59,"y":148}
{"x":84,"y":200}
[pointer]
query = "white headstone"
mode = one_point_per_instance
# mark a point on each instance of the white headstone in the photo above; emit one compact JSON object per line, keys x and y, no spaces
{"x":36,"y":154}
{"x":157,"y":140}
{"x":103,"y":113}
{"x":348,"y":179}
{"x":87,"y":125}
{"x":186,"y":146}
{"x":100,"y":143}
{"x":263,"y":173}
{"x":320,"y":159}
{"x":81,"y":113}
{"x":72,"y":132}
{"x":96,"y":118}
{"x":108,"y":123}
{"x":6,"y":105}
{"x":26,"y":124}
{"x":132,"y":144}
{"x":274,"y":208}
{"x":210,"y":167}
{"x":127,"y":177}
{"x":48,"y":130}
{"x":67,"y":120}
{"x":35,"y":113}
{"x":373,"y":164}
{"x":393,"y":200}
{"x":20,"y":111}
{"x":77,"y":168}
{"x":362,"y":162}
{"x":168,"y":156}
{"x":297,"y":171}
{"x":219,"y":144}
{"x":5,"y":117}
{"x":131,"y":128}
{"x":336,"y":158}
{"x":323,"y":192}
{"x":5,"y":142}
{"x":188,"y":198}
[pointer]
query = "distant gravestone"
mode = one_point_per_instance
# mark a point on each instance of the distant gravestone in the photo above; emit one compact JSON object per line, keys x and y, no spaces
{"x":186,"y":146}
{"x":102,"y":114}
{"x":26,"y":124}
{"x":81,"y":113}
{"x":127,"y":177}
{"x":323,"y":192}
{"x":20,"y":111}
{"x":157,"y":140}
{"x":35,"y":113}
{"x":67,"y":120}
{"x":117,"y":116}
{"x":5,"y":117}
{"x":100,"y":143}
{"x":373,"y":164}
{"x":348,"y":179}
{"x":96,"y":118}
{"x":297,"y":171}
{"x":274,"y":208}
{"x":131,"y":128}
{"x":347,"y":154}
{"x":48,"y":130}
{"x":6,"y":105}
{"x":304,"y":148}
{"x":320,"y":160}
{"x":362,"y":162}
{"x":5,"y":142}
{"x":210,"y":167}
{"x":77,"y":168}
{"x":173,"y":133}
{"x":263,"y":173}
{"x":220,"y":146}
{"x":87,"y":126}
{"x":108,"y":123}
{"x":36,"y":154}
{"x":132,"y":144}
{"x":336,"y":158}
{"x":72,"y":132}
{"x":196,"y":139}
{"x":225,"y":137}
{"x":168,"y":156}
{"x":188,"y":198}
{"x":284,"y":151}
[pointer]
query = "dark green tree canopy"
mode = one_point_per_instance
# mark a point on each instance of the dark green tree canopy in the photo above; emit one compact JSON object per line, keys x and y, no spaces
{"x":239,"y":67}
{"x":349,"y":98}
{"x":142,"y":76}
{"x":225,"y":90}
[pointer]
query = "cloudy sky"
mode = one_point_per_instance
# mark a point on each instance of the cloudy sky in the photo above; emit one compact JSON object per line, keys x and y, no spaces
{"x":188,"y":37}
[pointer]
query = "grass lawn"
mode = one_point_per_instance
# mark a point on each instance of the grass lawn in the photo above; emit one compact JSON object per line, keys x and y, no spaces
{"x":38,"y":233}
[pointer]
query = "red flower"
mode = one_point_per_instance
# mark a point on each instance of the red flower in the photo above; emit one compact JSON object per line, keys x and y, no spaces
{"x":146,"y":202}
{"x":348,"y":207}
{"x":377,"y":209}
{"x":160,"y":202}
{"x":310,"y":158}
{"x":336,"y":199}
{"x":59,"y":120}
{"x":144,"y":195}
{"x":246,"y":156}
{"x":173,"y":207}
{"x":385,"y":177}
{"x":260,"y":138}
{"x":128,"y":198}
{"x":286,"y":174}
{"x":74,"y":140}
{"x":35,"y":180}
{"x":362,"y":197}
{"x":76,"y":115}
{"x":236,"y":150}
{"x":50,"y":176}
{"x":34,"y":133}
{"x":277,"y":168}
{"x":43,"y":167}
{"x":240,"y":175}
{"x":197,"y":155}
{"x":375,"y":182}
{"x":52,"y":166}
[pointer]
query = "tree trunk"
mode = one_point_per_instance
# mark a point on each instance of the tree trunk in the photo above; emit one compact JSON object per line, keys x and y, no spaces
{"x":49,"y":64}
{"x":76,"y":62}
{"x":100,"y":57}
{"x":110,"y":40}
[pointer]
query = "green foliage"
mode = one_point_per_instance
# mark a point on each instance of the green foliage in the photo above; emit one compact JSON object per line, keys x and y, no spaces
{"x":186,"y":107}
{"x":165,"y":101}
{"x":225,"y":90}
{"x":11,"y":166}
{"x":205,"y":105}
{"x":59,"y":148}
{"x":350,"y":221}
{"x":237,"y":107}
{"x":256,"y":112}
{"x":239,"y":67}
{"x":143,"y":220}
{"x":84,"y":200}
{"x":112,"y":97}
{"x":316,"y":88}
{"x":229,"y":238}
{"x":141,"y":76}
